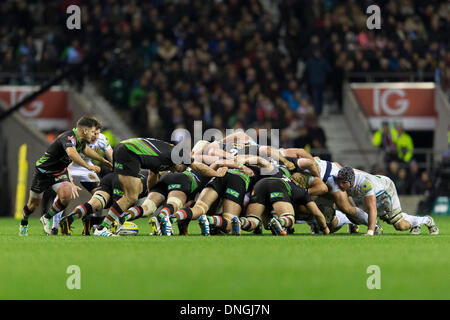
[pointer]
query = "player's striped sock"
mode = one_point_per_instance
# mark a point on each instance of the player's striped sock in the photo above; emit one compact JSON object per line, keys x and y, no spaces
{"x":56,"y":207}
{"x":114,"y":214}
{"x":81,"y":211}
{"x":167,"y":210}
{"x":218,"y":221}
{"x":133,"y":213}
{"x":286,"y":220}
{"x":245,"y":224}
{"x":183,"y":214}
{"x":26,"y":212}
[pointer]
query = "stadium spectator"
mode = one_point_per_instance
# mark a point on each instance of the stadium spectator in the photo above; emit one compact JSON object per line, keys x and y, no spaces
{"x":385,"y":139}
{"x":404,"y":145}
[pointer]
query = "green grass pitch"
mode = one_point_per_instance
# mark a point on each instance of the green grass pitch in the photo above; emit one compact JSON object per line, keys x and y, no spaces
{"x":299,"y":266}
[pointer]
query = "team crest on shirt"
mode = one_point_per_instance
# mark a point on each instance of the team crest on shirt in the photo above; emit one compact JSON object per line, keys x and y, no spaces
{"x":73,"y":140}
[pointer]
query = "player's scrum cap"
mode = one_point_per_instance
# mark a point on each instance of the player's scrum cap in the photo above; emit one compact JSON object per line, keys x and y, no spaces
{"x":347,"y":174}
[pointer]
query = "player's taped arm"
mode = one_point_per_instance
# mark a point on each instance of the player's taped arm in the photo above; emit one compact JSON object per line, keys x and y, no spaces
{"x":254,"y":160}
{"x":276,"y":154}
{"x":298,"y":153}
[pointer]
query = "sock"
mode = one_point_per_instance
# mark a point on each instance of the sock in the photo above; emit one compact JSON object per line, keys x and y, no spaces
{"x":415,"y":221}
{"x":114,"y":214}
{"x":286,"y":220}
{"x":56,"y":207}
{"x":342,"y":219}
{"x":361,"y":217}
{"x":215,"y":221}
{"x":167,"y":210}
{"x":56,"y":219}
{"x":133,"y":213}
{"x":245,"y":224}
{"x":81,"y":211}
{"x":183,"y":214}
{"x":26,"y":212}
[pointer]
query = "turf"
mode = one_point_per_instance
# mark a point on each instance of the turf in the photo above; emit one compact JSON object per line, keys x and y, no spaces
{"x":299,"y":266}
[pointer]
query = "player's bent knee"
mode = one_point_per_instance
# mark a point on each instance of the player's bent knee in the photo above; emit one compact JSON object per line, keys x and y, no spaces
{"x":402,"y":225}
{"x":177,"y":203}
{"x":149,"y":207}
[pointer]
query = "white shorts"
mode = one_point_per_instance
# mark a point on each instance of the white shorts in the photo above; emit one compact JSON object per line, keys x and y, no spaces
{"x":388,"y":201}
{"x":81,"y":174}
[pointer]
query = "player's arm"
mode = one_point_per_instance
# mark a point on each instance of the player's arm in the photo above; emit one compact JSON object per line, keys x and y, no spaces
{"x":310,"y":165}
{"x":276,"y":154}
{"x":238,"y":137}
{"x":109,"y":154}
{"x":207,"y":171}
{"x":297,"y":153}
{"x":314,"y":209}
{"x":254,"y":160}
{"x":75,"y":188}
{"x":342,"y":202}
{"x":232,"y":164}
{"x":317,"y":187}
{"x":371,"y":203}
{"x":95,"y":156}
{"x":75,"y":157}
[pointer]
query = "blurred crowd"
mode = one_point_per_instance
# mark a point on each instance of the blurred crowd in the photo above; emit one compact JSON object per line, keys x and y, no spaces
{"x":230,"y":64}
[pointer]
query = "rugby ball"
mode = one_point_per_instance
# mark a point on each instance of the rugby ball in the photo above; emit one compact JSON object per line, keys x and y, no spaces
{"x":128,"y":229}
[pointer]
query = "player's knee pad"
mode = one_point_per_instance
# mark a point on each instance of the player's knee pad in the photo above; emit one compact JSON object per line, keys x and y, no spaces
{"x":149,"y":207}
{"x":203,"y":206}
{"x":392,"y":218}
{"x":100,"y":198}
{"x":177,"y":203}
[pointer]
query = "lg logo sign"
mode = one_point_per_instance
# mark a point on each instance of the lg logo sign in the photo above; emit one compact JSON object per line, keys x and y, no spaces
{"x":32,"y":110}
{"x":381,"y":105}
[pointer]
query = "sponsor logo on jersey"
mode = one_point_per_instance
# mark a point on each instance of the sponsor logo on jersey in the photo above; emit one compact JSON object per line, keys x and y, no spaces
{"x":118,"y":192}
{"x":118,"y":165}
{"x":276,"y":195}
{"x":173,"y":186}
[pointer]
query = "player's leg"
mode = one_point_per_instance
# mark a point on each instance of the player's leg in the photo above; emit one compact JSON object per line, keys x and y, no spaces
{"x":33,"y":202}
{"x":97,"y":202}
{"x":131,"y":187}
{"x":206,"y":198}
{"x":175,"y":201}
{"x":253,"y":216}
{"x":229,"y":220}
{"x":285,"y":217}
{"x":63,"y":196}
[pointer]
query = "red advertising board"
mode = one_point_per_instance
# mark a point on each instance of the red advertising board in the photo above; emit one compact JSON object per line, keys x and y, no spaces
{"x":49,"y":111}
{"x":410,"y":103}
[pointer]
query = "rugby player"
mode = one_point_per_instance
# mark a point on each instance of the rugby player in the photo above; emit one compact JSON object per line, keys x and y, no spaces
{"x":51,"y":171}
{"x":88,"y":179}
{"x":132,"y":155}
{"x":379,"y":195}
{"x":104,"y":195}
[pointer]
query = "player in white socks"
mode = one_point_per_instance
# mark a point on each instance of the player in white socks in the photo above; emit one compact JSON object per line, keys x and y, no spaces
{"x":379,"y":195}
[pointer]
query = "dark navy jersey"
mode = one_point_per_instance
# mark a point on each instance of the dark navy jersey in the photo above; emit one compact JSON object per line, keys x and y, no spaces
{"x":55,"y":159}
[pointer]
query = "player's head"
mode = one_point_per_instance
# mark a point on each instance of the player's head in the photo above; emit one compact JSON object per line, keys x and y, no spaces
{"x":87,"y":128}
{"x":180,"y":167}
{"x":346,"y":178}
{"x":96,"y":135}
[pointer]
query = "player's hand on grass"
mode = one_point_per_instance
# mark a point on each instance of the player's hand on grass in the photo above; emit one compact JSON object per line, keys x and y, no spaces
{"x":221,"y":172}
{"x":75,"y":190}
{"x":326,"y":230}
{"x":369,"y":233}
